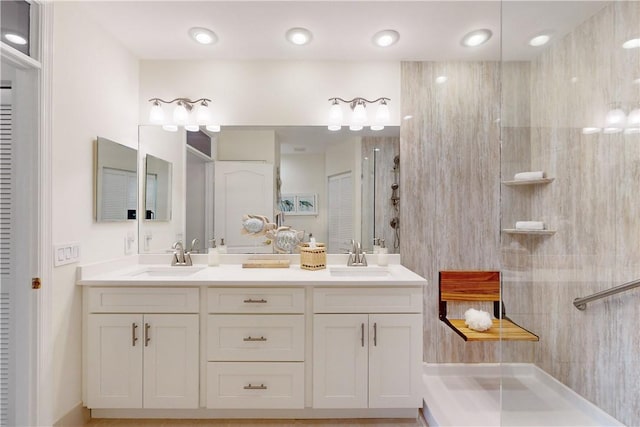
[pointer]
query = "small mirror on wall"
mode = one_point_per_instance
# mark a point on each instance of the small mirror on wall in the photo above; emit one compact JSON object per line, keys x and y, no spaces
{"x":116,"y":178}
{"x":157,"y":189}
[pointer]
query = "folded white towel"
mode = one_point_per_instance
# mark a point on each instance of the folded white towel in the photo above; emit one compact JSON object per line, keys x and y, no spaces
{"x":527,"y":176}
{"x":529,"y":225}
{"x":477,"y":320}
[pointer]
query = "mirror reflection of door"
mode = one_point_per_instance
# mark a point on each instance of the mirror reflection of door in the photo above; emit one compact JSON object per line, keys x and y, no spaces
{"x":157,"y":192}
{"x":340,"y":195}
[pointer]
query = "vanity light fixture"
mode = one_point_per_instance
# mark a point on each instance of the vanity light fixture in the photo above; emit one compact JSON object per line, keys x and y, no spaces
{"x":631,"y":43}
{"x":182,"y":116}
{"x":386,"y":38}
{"x":203,"y":35}
{"x":359,"y":115}
{"x":298,"y":36}
{"x":476,"y":38}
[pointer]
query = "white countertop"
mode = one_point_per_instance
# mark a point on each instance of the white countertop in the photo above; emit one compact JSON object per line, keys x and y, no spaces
{"x":136,"y":271}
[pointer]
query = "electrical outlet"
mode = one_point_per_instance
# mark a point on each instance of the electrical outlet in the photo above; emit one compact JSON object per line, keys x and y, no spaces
{"x":66,"y":253}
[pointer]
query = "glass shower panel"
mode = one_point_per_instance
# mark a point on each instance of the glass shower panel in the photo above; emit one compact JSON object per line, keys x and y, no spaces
{"x":568,"y":112}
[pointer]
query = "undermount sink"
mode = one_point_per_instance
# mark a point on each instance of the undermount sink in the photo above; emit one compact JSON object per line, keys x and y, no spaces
{"x":359,"y":271}
{"x":177,"y":271}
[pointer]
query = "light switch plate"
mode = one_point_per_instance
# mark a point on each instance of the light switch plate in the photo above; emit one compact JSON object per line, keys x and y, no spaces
{"x":66,"y":253}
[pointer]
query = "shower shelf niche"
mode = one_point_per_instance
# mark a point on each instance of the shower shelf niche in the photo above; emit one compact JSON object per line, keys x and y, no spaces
{"x":533,"y":232}
{"x":528,"y":182}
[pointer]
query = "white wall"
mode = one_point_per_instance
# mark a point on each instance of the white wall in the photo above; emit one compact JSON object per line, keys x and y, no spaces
{"x":95,"y":92}
{"x":237,"y":145}
{"x":304,"y":173}
{"x":270,"y":92}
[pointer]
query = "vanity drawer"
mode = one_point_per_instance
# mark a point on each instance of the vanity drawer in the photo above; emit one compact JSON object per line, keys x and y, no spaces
{"x":144,"y":300}
{"x":255,"y":300}
{"x":245,"y":337}
{"x":367,"y":300}
{"x":249,"y":385}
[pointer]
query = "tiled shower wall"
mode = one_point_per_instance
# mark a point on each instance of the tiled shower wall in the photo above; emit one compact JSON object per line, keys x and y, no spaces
{"x":453,"y":206}
{"x":593,"y":204}
{"x":450,"y":181}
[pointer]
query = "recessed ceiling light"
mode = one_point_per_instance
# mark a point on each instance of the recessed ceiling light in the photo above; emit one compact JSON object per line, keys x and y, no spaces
{"x":15,"y":39}
{"x":441,"y":79}
{"x":630,"y":44}
{"x":539,"y":40}
{"x":386,"y":38}
{"x":203,"y":35}
{"x":299,"y":36}
{"x":476,"y":38}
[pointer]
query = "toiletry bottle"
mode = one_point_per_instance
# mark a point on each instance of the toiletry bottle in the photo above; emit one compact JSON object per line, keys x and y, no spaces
{"x":376,"y":245}
{"x":312,"y":241}
{"x":213,"y":256}
{"x":222,"y":248}
{"x":383,"y":256}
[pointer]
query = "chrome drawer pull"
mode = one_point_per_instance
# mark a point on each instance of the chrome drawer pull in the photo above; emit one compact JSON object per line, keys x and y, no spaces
{"x":250,"y":338}
{"x":147,"y":336}
{"x":255,"y":301}
{"x":255,"y":387}
{"x":362,"y":334}
{"x":375,"y":334}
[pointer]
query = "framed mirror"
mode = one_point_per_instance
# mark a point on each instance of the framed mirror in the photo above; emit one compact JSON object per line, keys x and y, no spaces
{"x":116,"y":181}
{"x":157,"y":189}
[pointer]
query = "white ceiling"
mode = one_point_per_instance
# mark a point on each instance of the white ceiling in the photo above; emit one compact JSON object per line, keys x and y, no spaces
{"x":342,"y":30}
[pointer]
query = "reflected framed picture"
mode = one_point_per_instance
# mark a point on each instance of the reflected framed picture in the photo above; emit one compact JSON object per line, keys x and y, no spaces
{"x":288,"y":203}
{"x":306,"y":204}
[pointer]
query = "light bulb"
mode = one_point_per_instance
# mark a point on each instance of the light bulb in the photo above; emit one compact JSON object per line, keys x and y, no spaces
{"x":335,"y":116}
{"x":156,"y":114}
{"x":213,"y":128}
{"x":203,"y":114}
{"x":359,"y":114}
{"x":476,"y":38}
{"x":377,"y":127}
{"x":180,"y":114}
{"x":170,"y":128}
{"x":634,"y":118}
{"x":192,"y":128}
{"x":615,"y":118}
{"x":355,"y":127}
{"x":15,"y":38}
{"x":383,"y":115}
{"x":590,"y":130}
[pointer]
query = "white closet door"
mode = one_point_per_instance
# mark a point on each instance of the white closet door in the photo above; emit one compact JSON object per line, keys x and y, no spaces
{"x":242,"y":188}
{"x":340,"y":195}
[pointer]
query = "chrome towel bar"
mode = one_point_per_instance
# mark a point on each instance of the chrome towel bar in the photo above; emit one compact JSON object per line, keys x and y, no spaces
{"x":581,"y":303}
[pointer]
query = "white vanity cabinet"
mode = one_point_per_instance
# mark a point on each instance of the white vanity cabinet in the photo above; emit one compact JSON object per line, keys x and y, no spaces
{"x":367,"y":347}
{"x":142,"y":347}
{"x":255,"y":348}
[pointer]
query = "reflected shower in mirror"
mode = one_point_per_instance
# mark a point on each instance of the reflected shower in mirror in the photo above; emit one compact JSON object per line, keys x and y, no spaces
{"x":116,"y":191}
{"x":157,"y":189}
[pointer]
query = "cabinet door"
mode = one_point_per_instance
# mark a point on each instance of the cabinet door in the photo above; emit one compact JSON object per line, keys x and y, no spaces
{"x":171,"y":360}
{"x":340,"y":360}
{"x":395,"y":355}
{"x":114,"y":372}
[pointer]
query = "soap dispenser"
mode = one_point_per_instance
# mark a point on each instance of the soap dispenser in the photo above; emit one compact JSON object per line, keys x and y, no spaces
{"x":383,"y":256}
{"x":222,"y":248}
{"x":213,"y":256}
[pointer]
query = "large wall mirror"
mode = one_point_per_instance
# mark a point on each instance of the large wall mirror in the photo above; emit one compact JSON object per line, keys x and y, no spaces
{"x":116,"y":180}
{"x":336,"y":186}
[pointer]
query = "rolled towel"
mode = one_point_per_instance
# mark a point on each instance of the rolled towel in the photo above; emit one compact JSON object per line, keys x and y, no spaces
{"x":529,"y":225}
{"x":527,"y":176}
{"x":477,"y":320}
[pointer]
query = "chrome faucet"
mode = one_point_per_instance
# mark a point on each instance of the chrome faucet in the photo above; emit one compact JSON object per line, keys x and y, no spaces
{"x":195,"y":246}
{"x":357,"y":257}
{"x":180,"y":257}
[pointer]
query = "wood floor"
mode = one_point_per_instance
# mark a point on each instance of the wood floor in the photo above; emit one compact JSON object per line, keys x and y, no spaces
{"x":258,"y":423}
